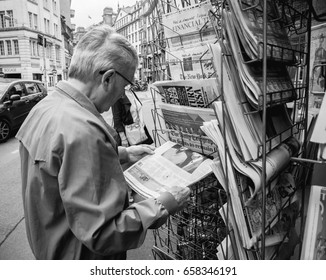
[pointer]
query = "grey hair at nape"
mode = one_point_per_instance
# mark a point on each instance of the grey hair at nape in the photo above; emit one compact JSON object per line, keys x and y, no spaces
{"x":101,"y":48}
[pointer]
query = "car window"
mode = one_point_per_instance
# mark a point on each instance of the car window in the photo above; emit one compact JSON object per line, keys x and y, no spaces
{"x":14,"y":89}
{"x":32,"y":88}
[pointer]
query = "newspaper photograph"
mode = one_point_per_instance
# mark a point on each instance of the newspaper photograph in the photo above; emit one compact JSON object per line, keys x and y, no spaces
{"x":171,"y":165}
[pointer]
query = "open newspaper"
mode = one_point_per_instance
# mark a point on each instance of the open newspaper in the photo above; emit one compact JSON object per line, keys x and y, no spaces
{"x":171,"y":165}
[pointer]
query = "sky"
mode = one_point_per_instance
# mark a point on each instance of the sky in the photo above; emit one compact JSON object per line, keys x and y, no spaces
{"x":88,"y":12}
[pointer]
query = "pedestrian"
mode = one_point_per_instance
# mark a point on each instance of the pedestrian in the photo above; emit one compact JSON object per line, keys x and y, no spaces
{"x":74,"y":192}
{"x":126,"y":111}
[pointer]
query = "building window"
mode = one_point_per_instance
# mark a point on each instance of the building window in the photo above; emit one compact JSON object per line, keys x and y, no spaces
{"x":16,"y":47}
{"x":35,"y":22}
{"x":11,"y":18}
{"x":54,"y":6}
{"x":6,"y":19}
{"x":2,"y":48}
{"x":30,"y":19}
{"x":46,"y":25}
{"x":57,"y":53}
{"x":9,"y":48}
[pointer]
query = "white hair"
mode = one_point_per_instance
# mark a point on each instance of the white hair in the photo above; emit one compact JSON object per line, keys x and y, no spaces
{"x":101,"y":48}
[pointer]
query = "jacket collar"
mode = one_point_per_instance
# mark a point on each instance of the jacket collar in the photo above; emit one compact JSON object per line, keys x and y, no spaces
{"x":68,"y":90}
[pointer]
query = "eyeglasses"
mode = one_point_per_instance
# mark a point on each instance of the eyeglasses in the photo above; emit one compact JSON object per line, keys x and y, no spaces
{"x":129,"y":82}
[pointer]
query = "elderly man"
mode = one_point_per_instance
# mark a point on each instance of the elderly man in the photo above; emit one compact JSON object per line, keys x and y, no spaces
{"x":74,"y":191}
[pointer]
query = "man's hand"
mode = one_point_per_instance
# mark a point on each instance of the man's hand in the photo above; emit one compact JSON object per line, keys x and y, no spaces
{"x":135,"y":153}
{"x":181,"y":195}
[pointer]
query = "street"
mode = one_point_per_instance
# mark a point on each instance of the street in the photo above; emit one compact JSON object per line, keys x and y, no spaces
{"x":13,"y":240}
{"x":12,"y":227}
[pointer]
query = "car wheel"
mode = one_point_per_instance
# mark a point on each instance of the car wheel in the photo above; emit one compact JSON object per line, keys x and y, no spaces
{"x":5,"y":130}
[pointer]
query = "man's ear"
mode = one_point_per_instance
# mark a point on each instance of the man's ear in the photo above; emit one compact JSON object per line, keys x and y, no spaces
{"x":107,"y":75}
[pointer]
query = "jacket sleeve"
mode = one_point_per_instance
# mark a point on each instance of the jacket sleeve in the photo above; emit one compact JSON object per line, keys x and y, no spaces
{"x":94,"y":194}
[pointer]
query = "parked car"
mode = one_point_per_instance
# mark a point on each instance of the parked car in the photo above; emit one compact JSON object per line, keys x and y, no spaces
{"x":17,"y":98}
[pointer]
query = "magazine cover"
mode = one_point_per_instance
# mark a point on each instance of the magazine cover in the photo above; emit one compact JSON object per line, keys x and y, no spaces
{"x":317,"y":65}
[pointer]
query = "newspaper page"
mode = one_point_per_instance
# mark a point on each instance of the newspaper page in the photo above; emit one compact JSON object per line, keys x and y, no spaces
{"x":314,"y":240}
{"x":183,"y":124}
{"x":190,"y":62}
{"x":188,"y":26}
{"x":171,"y":165}
{"x":193,"y":92}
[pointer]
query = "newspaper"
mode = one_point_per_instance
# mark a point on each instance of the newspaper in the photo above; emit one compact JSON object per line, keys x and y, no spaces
{"x":276,"y":160}
{"x":279,"y":84}
{"x":190,"y":62}
{"x":171,"y":165}
{"x":193,"y":92}
{"x":183,"y":124}
{"x":314,"y":240}
{"x":249,"y":21}
{"x":188,"y":26}
{"x":247,"y":127}
{"x":245,"y":124}
{"x":247,"y":208}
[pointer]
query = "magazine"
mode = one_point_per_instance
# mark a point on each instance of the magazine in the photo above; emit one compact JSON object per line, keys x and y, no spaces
{"x":183,"y":124}
{"x":193,"y":92}
{"x":171,"y":165}
{"x":314,"y":240}
{"x":319,"y":131}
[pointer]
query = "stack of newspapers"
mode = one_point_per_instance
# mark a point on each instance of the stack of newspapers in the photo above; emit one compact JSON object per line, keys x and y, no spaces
{"x":238,"y":127}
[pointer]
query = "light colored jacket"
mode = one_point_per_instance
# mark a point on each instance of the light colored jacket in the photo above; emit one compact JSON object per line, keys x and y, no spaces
{"x":74,"y":191}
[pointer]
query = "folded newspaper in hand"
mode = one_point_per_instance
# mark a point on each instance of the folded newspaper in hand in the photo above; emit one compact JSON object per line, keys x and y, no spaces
{"x":171,"y":165}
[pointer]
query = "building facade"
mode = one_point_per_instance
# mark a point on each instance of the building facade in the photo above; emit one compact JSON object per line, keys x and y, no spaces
{"x":24,"y":26}
{"x":128,"y":23}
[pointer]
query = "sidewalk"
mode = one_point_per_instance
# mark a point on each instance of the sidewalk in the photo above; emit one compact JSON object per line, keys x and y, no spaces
{"x":16,"y":246}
